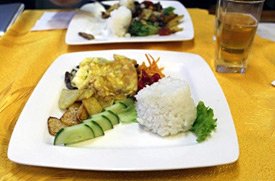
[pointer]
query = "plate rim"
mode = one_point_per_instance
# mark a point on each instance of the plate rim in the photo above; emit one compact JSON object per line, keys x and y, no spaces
{"x":22,"y":159}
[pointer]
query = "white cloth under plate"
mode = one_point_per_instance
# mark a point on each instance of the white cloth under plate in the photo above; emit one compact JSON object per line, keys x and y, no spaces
{"x":53,"y":21}
{"x":267,"y":31}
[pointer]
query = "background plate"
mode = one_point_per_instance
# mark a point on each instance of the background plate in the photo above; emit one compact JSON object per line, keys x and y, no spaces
{"x":127,"y":146}
{"x":81,"y":21}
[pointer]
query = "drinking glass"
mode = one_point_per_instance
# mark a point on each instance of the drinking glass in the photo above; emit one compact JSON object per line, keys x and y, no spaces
{"x":236,"y":24}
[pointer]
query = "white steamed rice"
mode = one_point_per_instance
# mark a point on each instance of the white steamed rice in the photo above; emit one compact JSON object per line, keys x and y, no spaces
{"x":119,"y":21}
{"x":166,"y":107}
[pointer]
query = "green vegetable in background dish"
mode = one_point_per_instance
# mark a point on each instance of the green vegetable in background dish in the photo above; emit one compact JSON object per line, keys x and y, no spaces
{"x":167,"y":11}
{"x":138,"y":28}
{"x":204,"y":123}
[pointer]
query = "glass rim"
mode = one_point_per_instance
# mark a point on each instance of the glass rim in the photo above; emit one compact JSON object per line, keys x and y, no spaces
{"x":247,"y":1}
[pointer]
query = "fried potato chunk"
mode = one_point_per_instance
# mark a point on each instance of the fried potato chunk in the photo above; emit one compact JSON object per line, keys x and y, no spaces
{"x":54,"y":125}
{"x":82,"y":113}
{"x":92,"y":105}
{"x":75,"y":114}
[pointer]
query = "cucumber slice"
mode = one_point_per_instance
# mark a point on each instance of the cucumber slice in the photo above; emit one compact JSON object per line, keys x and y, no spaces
{"x":116,"y":108}
{"x":98,"y":131}
{"x":109,"y":115}
{"x":129,"y":116}
{"x":102,"y":121}
{"x":123,"y":110}
{"x":129,"y":102}
{"x":73,"y":134}
{"x":114,"y":117}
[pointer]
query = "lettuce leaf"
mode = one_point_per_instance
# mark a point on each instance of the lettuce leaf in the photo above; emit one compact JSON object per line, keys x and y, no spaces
{"x":204,"y":123}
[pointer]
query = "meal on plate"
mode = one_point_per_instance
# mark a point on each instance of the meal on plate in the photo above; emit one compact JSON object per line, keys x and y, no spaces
{"x":102,"y":93}
{"x":133,"y":18}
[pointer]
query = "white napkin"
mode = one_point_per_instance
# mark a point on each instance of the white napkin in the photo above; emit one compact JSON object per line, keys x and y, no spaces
{"x":53,"y":21}
{"x":266,"y":30}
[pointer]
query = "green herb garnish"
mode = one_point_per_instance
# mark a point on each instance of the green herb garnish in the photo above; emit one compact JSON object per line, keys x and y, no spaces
{"x":204,"y":123}
{"x":138,"y":28}
{"x":167,"y":11}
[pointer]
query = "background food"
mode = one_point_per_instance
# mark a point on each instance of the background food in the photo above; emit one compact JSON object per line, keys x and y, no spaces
{"x":151,"y":18}
{"x":133,"y":18}
{"x":119,"y":21}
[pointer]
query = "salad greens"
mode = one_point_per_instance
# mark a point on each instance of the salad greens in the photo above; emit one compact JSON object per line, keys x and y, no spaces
{"x":167,"y":11}
{"x":204,"y":123}
{"x":137,"y":28}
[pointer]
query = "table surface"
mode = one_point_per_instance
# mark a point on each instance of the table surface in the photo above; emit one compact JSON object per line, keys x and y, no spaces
{"x":25,"y":56}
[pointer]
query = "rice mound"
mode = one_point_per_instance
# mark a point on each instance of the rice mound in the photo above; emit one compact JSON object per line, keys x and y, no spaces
{"x":166,"y":107}
{"x":119,"y":21}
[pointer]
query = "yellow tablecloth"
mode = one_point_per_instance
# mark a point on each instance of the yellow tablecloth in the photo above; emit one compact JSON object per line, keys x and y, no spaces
{"x":25,"y":56}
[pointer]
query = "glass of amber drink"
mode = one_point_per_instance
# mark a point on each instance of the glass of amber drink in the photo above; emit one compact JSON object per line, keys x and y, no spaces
{"x":235,"y":31}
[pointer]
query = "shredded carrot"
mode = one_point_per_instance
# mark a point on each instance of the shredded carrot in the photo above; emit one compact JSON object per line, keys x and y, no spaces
{"x":153,"y":66}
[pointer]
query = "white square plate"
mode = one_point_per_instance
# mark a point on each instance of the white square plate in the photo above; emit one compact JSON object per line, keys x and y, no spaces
{"x":81,"y":22}
{"x":127,"y":146}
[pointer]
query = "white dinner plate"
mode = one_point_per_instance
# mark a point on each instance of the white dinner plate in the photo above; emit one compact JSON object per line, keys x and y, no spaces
{"x":84,"y":22}
{"x":126,"y":147}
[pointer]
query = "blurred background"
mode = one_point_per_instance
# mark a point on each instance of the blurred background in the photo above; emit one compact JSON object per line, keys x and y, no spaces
{"x":49,"y":4}
{"x":268,"y":14}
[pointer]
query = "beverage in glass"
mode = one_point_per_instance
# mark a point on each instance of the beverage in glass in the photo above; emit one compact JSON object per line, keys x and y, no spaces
{"x":235,"y":30}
